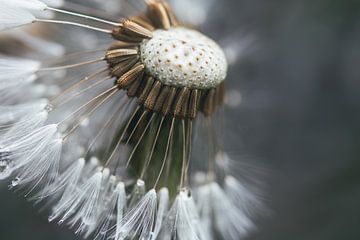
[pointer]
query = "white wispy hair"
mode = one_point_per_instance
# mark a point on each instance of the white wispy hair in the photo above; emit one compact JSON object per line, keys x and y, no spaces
{"x":16,"y":13}
{"x":30,"y":5}
{"x":42,"y":169}
{"x":11,"y":17}
{"x":87,"y":212}
{"x":77,"y":204}
{"x":13,"y":113}
{"x":62,"y":189}
{"x":100,"y":209}
{"x":22,"y":127}
{"x":244,"y":197}
{"x":34,"y":155}
{"x":182,"y":221}
{"x":15,"y":72}
{"x":139,"y":221}
{"x":82,"y":194}
{"x":13,"y":96}
{"x":62,"y":182}
{"x":54,"y":3}
{"x":163,"y":205}
{"x":112,"y":210}
{"x":219,"y":213}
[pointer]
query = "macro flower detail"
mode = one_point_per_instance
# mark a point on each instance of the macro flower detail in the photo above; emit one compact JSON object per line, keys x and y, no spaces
{"x":123,"y":141}
{"x":167,"y":51}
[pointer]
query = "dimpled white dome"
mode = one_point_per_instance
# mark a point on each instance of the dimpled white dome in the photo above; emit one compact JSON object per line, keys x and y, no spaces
{"x":182,"y":57}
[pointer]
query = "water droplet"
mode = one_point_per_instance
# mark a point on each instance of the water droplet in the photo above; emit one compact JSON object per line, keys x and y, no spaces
{"x":15,"y":182}
{"x":49,"y":108}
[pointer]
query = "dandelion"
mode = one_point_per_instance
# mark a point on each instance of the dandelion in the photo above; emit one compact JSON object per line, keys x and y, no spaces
{"x":122,"y":140}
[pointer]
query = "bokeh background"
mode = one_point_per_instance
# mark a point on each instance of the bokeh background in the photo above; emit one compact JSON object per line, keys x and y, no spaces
{"x":298,"y":118}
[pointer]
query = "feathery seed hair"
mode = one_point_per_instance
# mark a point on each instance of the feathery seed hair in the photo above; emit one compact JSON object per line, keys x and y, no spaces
{"x":123,"y":140}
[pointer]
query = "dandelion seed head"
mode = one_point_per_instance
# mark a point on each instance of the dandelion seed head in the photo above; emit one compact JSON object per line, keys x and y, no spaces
{"x":181,"y":57}
{"x":104,"y":136}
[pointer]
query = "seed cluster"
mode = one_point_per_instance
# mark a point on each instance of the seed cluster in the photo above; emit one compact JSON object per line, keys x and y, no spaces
{"x":170,"y":69}
{"x":182,"y":57}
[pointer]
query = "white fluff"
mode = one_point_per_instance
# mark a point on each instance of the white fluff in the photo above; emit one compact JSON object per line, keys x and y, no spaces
{"x":121,"y":208}
{"x":183,"y":221}
{"x":85,"y":203}
{"x":241,"y":196}
{"x":42,"y":169}
{"x":15,"y":72}
{"x":11,"y":17}
{"x":77,"y":206}
{"x":88,"y":211}
{"x":228,"y":220}
{"x":66,"y":178}
{"x":12,"y":96}
{"x":22,"y":127}
{"x":139,"y":221}
{"x":101,"y":204}
{"x":114,"y":205}
{"x":69,"y":190}
{"x":203,"y":203}
{"x":30,"y":5}
{"x":10,"y":114}
{"x":54,"y":3}
{"x":163,"y":196}
{"x":41,"y":145}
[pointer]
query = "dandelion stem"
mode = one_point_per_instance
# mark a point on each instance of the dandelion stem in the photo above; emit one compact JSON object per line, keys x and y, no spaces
{"x":71,"y":65}
{"x":184,"y":156}
{"x":166,"y":152}
{"x":140,"y":139}
{"x":72,"y":87}
{"x":76,"y":54}
{"x":86,"y":104}
{"x":152,"y":148}
{"x":83,"y":91}
{"x":110,"y":120}
{"x":107,"y":31}
{"x":211,"y":149}
{"x":169,"y":162}
{"x":118,"y":162}
{"x":89,"y":114}
{"x":189,"y":143}
{"x":133,"y":132}
{"x":121,"y":137}
{"x":88,"y":10}
{"x":83,"y":16}
{"x":136,"y":126}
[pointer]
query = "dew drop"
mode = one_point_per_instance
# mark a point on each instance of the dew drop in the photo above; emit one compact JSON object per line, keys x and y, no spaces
{"x":15,"y":182}
{"x":49,"y":108}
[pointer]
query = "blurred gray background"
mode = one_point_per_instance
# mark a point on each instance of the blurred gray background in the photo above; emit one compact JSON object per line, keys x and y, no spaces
{"x":300,"y":117}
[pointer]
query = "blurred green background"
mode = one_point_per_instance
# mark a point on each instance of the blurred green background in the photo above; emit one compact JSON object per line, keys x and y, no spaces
{"x":300,"y":117}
